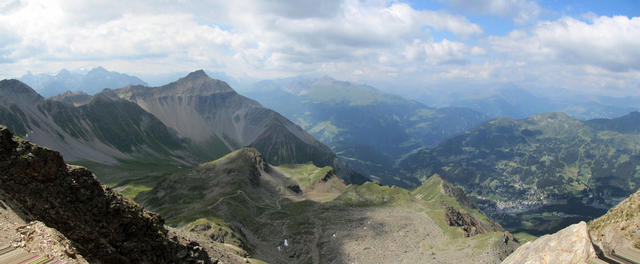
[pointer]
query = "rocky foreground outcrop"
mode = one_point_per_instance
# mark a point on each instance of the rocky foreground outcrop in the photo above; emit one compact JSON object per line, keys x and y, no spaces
{"x":569,"y":245}
{"x":102,"y":225}
{"x":619,"y":229}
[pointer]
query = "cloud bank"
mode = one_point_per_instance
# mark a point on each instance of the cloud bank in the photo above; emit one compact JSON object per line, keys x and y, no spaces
{"x":373,"y":41}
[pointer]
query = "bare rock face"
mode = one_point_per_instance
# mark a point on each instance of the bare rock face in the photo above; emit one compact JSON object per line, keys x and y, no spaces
{"x":103,"y":226}
{"x":569,"y":245}
{"x":469,"y":224}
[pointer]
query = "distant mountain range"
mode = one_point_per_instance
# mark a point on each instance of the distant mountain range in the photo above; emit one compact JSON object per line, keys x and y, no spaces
{"x":192,"y":120}
{"x":367,"y":127}
{"x":539,"y":173}
{"x":91,"y":82}
{"x":518,"y":103}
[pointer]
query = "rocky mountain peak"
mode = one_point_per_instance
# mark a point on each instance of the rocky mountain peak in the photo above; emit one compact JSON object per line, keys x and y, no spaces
{"x":199,"y":74}
{"x":15,"y":90}
{"x":196,"y":83}
{"x":247,"y":156}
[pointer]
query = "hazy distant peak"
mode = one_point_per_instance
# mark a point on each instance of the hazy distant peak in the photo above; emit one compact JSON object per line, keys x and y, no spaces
{"x":98,"y":69}
{"x":91,"y":82}
{"x":64,"y":72}
{"x":629,"y":123}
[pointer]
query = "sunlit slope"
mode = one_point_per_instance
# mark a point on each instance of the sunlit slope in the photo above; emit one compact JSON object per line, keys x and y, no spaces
{"x":369,"y":128}
{"x":242,"y":200}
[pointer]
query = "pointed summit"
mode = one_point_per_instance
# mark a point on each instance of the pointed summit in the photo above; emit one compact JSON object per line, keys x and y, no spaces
{"x":199,"y":74}
{"x":196,"y":83}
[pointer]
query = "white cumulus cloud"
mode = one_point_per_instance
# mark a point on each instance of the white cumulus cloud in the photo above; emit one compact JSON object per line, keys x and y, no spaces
{"x":443,"y":52}
{"x":607,"y":42}
{"x":262,"y":38}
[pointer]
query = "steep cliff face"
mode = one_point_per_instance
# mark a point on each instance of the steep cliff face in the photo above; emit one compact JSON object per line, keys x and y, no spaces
{"x":103,"y":226}
{"x":469,"y":224}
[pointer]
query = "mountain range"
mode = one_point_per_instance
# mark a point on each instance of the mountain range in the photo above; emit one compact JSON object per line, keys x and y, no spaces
{"x":91,"y":82}
{"x":239,"y":207}
{"x":247,"y":183}
{"x":539,"y":173}
{"x":368,"y":128}
{"x":517,"y":103}
{"x":192,"y":120}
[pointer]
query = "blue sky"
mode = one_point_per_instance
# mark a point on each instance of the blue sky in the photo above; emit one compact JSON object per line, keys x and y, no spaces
{"x":552,"y":9}
{"x":404,"y":46}
{"x":497,"y":24}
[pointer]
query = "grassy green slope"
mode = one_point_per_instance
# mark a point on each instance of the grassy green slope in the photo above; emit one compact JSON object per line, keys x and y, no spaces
{"x":245,"y":202}
{"x":305,"y":174}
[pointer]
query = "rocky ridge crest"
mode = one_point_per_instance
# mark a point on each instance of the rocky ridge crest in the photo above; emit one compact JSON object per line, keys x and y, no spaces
{"x":103,"y":226}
